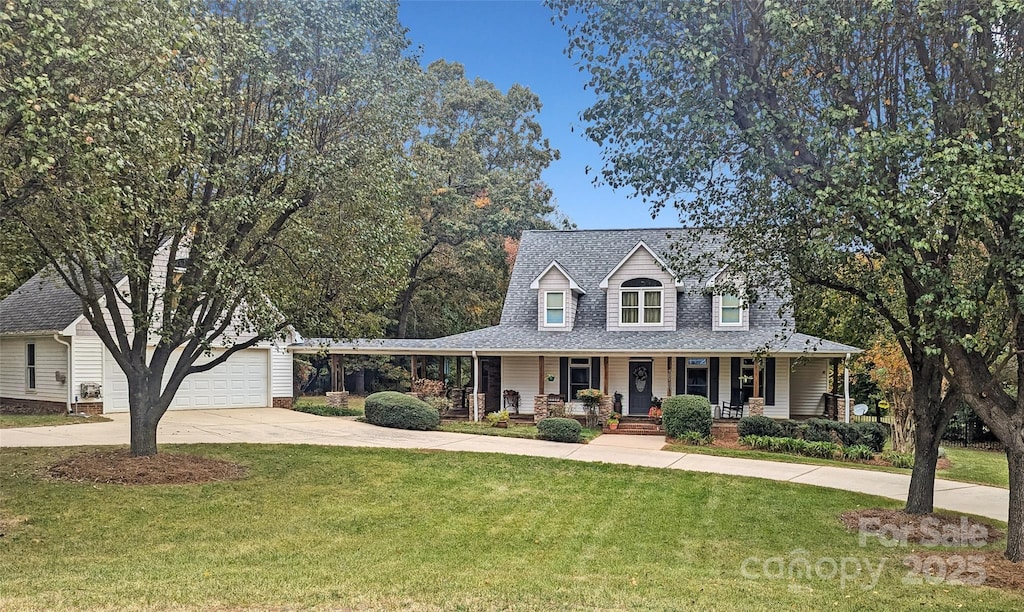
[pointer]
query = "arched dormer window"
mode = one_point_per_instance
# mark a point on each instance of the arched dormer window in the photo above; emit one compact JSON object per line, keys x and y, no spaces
{"x":640,"y":302}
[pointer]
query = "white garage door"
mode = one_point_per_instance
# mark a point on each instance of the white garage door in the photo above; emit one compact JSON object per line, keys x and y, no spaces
{"x":239,"y":382}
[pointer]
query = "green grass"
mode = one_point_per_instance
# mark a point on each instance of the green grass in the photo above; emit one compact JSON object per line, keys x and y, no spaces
{"x":513,"y":431}
{"x":8,"y":421}
{"x":966,"y":465}
{"x":328,"y":527}
{"x":984,"y":467}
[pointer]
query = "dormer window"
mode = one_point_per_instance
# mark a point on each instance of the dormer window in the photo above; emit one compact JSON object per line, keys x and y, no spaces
{"x":731,"y":310}
{"x":640,"y":302}
{"x":554,"y":308}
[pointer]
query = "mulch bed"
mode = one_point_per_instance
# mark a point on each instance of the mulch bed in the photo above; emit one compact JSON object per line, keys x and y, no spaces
{"x":964,"y":533}
{"x":119,"y":467}
{"x":910,"y":525}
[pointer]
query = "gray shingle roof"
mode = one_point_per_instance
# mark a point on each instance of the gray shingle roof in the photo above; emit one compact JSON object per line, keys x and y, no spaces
{"x":43,"y":304}
{"x":588,"y":256}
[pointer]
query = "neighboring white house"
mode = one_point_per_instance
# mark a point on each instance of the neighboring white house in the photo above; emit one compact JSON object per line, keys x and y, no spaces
{"x":52,"y":361}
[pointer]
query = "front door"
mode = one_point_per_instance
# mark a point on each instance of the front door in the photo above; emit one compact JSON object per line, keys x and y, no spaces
{"x":640,"y":383}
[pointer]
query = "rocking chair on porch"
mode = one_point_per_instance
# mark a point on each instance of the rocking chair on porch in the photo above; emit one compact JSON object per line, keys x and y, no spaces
{"x":733,"y":409}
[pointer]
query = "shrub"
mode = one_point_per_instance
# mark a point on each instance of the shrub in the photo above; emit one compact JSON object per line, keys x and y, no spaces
{"x":821,"y":450}
{"x":494,"y":418}
{"x":758,"y":426}
{"x":401,"y":411}
{"x":686,"y":413}
{"x":900,"y":460}
{"x":873,"y":435}
{"x":788,"y":428}
{"x":695,"y":439}
{"x":324,"y":410}
{"x":558,"y":429}
{"x":441,"y":404}
{"x":858,"y":452}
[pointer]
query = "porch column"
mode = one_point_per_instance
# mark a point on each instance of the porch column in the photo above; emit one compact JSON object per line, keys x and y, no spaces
{"x":476,"y":387}
{"x":757,"y":378}
{"x":540,"y":375}
{"x":604,"y":376}
{"x":846,"y":385}
{"x":412,"y":367}
{"x":668,"y":378}
{"x":458,"y":371}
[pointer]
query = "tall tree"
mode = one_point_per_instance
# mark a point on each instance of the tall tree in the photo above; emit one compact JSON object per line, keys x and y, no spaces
{"x":474,"y":181}
{"x":171,"y":158}
{"x":858,"y":146}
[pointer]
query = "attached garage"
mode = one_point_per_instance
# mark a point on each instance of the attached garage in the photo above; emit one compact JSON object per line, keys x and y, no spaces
{"x":239,"y":382}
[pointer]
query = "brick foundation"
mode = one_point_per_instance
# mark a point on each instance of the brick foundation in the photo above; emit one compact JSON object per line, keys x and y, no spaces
{"x":282,"y":402}
{"x":89,"y":408}
{"x":10,"y":405}
{"x":756,"y":406}
{"x":337,"y":399}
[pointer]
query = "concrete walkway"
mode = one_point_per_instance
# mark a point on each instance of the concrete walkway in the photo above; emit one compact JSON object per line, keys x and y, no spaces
{"x":275,"y":426}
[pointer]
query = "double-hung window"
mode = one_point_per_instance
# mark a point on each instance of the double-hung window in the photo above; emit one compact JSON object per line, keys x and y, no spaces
{"x":554,"y":308}
{"x":30,"y":366}
{"x":730,"y":310}
{"x":640,"y":302}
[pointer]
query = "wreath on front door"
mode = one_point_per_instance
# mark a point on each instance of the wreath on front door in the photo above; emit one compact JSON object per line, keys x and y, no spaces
{"x":640,"y":379}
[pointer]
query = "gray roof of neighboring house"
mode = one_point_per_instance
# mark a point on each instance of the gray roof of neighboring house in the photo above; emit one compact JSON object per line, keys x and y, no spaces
{"x":588,"y":256}
{"x":43,"y":304}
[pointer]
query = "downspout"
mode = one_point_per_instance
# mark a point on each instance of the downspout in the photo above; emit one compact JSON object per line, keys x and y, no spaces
{"x":846,"y":385}
{"x":67,"y":377}
{"x":476,"y":388}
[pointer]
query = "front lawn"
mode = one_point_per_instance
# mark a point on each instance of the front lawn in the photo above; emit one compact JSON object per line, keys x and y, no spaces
{"x":341,"y":528}
{"x":8,"y":421}
{"x":966,"y":465}
{"x":513,"y":430}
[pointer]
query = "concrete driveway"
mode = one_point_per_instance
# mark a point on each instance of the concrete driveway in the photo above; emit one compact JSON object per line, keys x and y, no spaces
{"x":277,"y":426}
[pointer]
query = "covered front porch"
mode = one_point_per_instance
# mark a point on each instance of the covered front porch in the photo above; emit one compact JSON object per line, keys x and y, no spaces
{"x":531,"y":385}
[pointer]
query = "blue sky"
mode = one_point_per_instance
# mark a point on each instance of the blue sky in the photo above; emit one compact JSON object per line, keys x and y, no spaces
{"x":514,"y":41}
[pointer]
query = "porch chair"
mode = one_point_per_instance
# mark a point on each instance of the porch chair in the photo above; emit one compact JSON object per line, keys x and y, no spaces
{"x":733,"y":409}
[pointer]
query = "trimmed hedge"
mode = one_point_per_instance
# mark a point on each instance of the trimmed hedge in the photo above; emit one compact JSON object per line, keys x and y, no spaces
{"x":759,"y":426}
{"x":682,"y":414}
{"x":401,"y":411}
{"x":558,"y":429}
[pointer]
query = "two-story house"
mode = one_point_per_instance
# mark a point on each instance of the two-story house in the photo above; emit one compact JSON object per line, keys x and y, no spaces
{"x":602,"y":309}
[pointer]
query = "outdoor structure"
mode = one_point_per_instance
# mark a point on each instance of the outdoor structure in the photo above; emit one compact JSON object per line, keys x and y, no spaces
{"x":51,"y":361}
{"x":601,"y":309}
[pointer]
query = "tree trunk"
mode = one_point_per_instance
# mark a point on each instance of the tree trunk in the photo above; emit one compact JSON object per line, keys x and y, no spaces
{"x":405,"y":310}
{"x":143,"y":426}
{"x":932,"y":412}
{"x":1015,"y":523}
{"x":921,"y":496}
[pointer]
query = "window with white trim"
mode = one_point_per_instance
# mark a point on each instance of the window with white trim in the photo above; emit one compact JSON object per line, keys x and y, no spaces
{"x":554,"y":308}
{"x":642,"y":305}
{"x":30,"y":366}
{"x":730,"y":310}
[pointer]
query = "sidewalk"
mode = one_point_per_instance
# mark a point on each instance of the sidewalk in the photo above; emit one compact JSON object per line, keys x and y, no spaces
{"x":277,"y":426}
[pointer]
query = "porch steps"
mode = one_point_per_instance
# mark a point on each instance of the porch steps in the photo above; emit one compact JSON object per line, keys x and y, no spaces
{"x":636,"y":426}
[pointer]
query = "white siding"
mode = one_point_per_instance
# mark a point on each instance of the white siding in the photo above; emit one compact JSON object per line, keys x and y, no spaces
{"x":51,"y":357}
{"x":642,"y":265}
{"x":780,"y":410}
{"x":554,"y":280}
{"x":87,"y":364}
{"x":809,"y":384}
{"x":520,"y":374}
{"x":280,"y":370}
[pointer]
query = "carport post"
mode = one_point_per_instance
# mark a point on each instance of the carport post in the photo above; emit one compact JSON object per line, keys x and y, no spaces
{"x":476,"y":387}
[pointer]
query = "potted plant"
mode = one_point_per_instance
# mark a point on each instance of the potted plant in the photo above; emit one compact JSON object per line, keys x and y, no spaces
{"x":613,"y":421}
{"x":655,"y":411}
{"x":498,"y":419}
